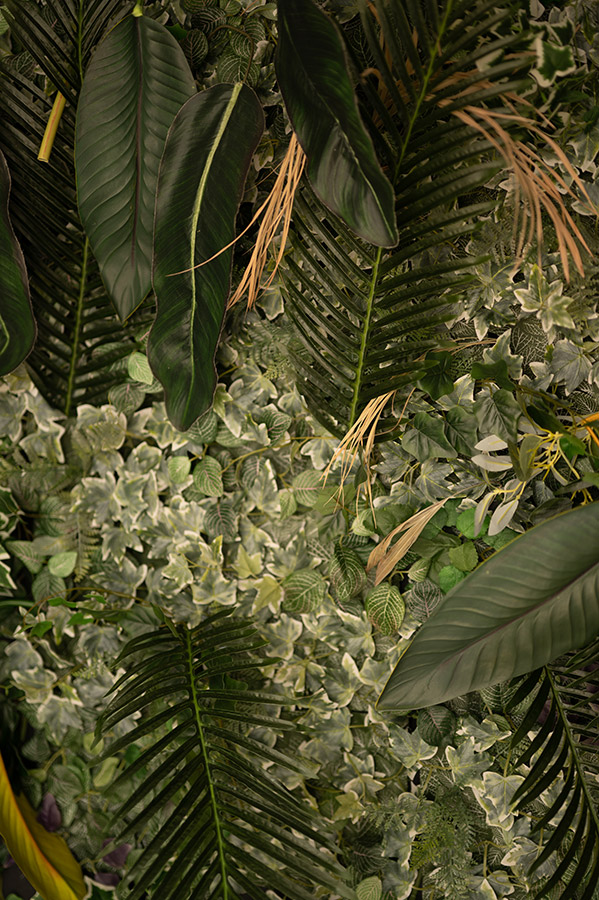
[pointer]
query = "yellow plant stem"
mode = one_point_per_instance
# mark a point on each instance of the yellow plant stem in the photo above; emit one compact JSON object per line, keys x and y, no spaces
{"x":51,"y":128}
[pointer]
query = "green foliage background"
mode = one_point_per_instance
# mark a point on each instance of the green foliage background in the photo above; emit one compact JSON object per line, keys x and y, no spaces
{"x":111,"y":520}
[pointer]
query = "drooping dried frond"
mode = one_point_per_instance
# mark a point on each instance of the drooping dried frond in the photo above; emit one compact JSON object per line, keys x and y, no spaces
{"x":537,"y":185}
{"x":276,"y":215}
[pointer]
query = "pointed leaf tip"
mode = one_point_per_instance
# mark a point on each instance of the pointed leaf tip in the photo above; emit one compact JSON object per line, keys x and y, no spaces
{"x":315,"y":82}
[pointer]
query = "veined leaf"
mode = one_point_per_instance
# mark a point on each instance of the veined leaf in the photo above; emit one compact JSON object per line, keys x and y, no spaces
{"x":17,"y":325}
{"x":200,"y":185}
{"x":135,"y":84}
{"x":528,"y":604}
{"x":342,"y":166}
{"x":43,"y":857}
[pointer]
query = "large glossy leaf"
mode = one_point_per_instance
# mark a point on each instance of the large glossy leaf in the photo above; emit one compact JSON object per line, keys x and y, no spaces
{"x":200,"y":185}
{"x":314,"y":79}
{"x":136,"y":82}
{"x":531,"y":602}
{"x":42,"y":857}
{"x":17,"y":325}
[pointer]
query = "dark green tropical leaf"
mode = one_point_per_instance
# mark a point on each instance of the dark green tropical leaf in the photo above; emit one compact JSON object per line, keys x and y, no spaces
{"x":80,"y":343}
{"x":200,"y":185}
{"x":364,"y":317}
{"x":17,"y":325}
{"x":313,"y":76}
{"x":136,"y":82}
{"x":532,"y":601}
{"x":225,"y":820}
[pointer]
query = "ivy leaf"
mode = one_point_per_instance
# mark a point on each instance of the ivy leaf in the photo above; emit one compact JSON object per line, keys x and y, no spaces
{"x":495,"y":371}
{"x":346,"y":573}
{"x":460,"y":429}
{"x":438,"y":381}
{"x":426,"y":439}
{"x":385,"y":608}
{"x":570,"y":364}
{"x":498,"y":414}
{"x":304,"y":591}
{"x":207,"y":477}
{"x":553,"y":61}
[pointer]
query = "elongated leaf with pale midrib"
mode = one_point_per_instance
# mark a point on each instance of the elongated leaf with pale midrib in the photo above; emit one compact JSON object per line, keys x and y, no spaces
{"x":200,"y":185}
{"x":17,"y":325}
{"x":318,"y":92}
{"x":42,"y":857}
{"x":136,"y":83}
{"x":534,"y":600}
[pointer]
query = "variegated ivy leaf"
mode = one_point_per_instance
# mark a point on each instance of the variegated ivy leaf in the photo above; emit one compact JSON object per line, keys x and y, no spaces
{"x":570,"y":364}
{"x":207,"y":477}
{"x":346,"y":573}
{"x":553,"y":61}
{"x":304,"y":591}
{"x":287,"y":503}
{"x":385,"y":608}
{"x":547,"y":301}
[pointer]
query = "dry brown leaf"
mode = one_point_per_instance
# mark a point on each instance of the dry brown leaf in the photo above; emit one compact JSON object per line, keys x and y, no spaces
{"x":385,"y":559}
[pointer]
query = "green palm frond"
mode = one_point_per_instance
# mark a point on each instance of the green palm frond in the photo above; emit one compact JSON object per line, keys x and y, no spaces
{"x":364,"y":316}
{"x":70,"y":363}
{"x":221,"y":824}
{"x":564,"y":753}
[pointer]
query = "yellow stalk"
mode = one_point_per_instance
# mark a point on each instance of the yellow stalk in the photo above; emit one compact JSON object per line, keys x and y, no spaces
{"x":51,"y":129}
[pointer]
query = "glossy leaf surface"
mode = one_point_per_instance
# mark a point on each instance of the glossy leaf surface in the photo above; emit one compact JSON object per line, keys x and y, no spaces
{"x":17,"y":325}
{"x":200,"y":185}
{"x":531,"y":602}
{"x":315,"y":82}
{"x":43,"y":857}
{"x":137,"y":81}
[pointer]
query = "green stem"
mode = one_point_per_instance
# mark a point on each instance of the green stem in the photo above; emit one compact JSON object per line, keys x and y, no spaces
{"x":77,"y":330}
{"x":365,"y":335}
{"x":211,"y":787}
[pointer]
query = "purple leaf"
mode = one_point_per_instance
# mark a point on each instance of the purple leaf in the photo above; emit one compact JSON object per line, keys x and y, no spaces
{"x":118,"y":856}
{"x":49,"y":814}
{"x":111,"y":879}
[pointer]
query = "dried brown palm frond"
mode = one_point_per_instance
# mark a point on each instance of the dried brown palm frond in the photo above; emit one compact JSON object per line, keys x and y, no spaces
{"x":364,"y":427}
{"x":385,"y":557}
{"x":275,"y":211}
{"x":276,"y":214}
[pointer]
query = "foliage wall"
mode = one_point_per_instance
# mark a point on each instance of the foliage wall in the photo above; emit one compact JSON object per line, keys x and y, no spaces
{"x":116,"y":526}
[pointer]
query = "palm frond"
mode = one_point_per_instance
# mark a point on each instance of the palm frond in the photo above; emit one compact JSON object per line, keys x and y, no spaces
{"x":563,"y":753}
{"x":71,"y":362}
{"x":221,"y":823}
{"x":442,"y":125}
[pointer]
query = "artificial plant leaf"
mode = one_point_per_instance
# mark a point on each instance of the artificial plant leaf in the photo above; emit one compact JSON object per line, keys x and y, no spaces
{"x":314,"y":79}
{"x":532,"y":601}
{"x":135,"y":84}
{"x":17,"y":325}
{"x":43,"y":857}
{"x":200,"y":185}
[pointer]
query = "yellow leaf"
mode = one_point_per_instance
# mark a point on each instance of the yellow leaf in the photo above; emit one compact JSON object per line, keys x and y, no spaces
{"x":43,"y":857}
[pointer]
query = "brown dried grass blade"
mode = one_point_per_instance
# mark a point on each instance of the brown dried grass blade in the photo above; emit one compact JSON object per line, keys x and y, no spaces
{"x":276,"y":214}
{"x":386,"y":559}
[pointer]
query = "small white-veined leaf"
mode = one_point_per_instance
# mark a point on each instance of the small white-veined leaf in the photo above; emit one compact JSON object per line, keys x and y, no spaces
{"x":304,"y":591}
{"x":139,"y":368}
{"x":207,"y":477}
{"x":386,"y":608}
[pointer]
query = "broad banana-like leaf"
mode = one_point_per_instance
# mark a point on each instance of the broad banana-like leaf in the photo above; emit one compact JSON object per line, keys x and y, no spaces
{"x":531,"y":602}
{"x":43,"y":857}
{"x":135,"y":84}
{"x":200,"y":186}
{"x":17,"y":325}
{"x":314,"y":79}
